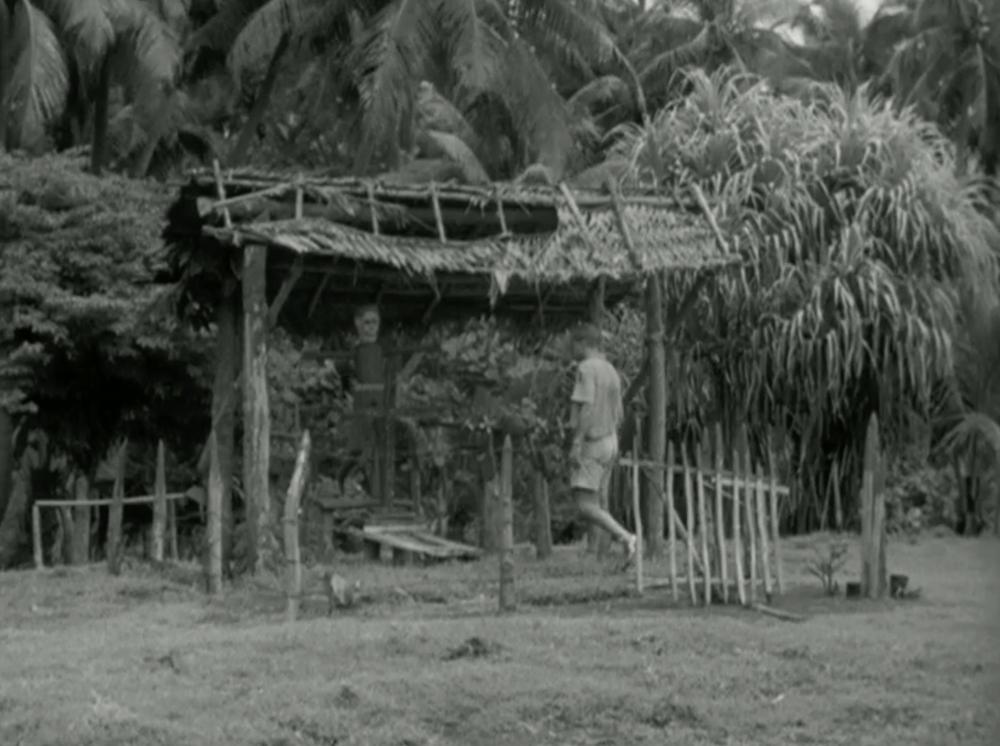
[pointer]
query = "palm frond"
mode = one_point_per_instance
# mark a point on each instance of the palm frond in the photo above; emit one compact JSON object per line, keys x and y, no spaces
{"x":147,"y":57}
{"x":85,"y":26}
{"x":39,"y":77}
{"x":455,"y":149}
{"x":222,"y":29}
{"x":474,"y":47}
{"x":392,"y":59}
{"x":254,"y":46}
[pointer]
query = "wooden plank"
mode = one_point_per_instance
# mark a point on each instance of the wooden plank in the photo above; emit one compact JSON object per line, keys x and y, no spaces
{"x":737,"y":539}
{"x":775,"y":524}
{"x":411,"y":542}
{"x":106,"y":501}
{"x":689,"y":507}
{"x":637,"y":516}
{"x":703,"y":524}
{"x":720,"y":527}
{"x":671,"y":524}
{"x":765,"y":549}
{"x":727,"y":478}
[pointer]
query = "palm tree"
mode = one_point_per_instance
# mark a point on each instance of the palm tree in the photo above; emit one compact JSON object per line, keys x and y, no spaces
{"x":855,"y":230}
{"x":68,"y":57}
{"x":494,"y":64}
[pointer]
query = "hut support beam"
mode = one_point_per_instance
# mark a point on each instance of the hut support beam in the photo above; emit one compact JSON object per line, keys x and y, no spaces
{"x":256,"y":410}
{"x":657,"y":411}
{"x":223,"y":406}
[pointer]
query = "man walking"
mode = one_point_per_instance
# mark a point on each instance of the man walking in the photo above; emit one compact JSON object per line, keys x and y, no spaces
{"x":596,"y":413}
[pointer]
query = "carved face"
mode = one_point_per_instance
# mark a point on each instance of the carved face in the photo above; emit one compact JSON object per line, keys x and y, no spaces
{"x":367,"y":325}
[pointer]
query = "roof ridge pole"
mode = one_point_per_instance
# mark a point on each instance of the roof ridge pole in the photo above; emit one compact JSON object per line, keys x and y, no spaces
{"x":438,"y":219}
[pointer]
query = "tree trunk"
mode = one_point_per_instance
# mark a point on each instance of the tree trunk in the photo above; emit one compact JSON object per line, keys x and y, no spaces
{"x":6,"y":456}
{"x":657,"y":438}
{"x":224,"y":405}
{"x":256,"y":411}
{"x":99,"y":144}
{"x":260,"y":104}
{"x":12,"y":533}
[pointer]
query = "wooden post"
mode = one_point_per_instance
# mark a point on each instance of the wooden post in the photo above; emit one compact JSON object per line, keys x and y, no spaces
{"x":80,"y":546}
{"x":160,"y":503}
{"x":749,"y":502}
{"x":671,"y":521}
{"x":508,"y":598}
{"x":657,"y":410}
{"x":689,"y":516}
{"x":256,"y":411}
{"x":174,"y":553}
{"x":293,"y":560}
{"x":114,"y":539}
{"x":416,"y":498}
{"x":543,"y":517}
{"x":720,"y":514}
{"x":874,"y":577}
{"x":705,"y":530}
{"x":765,"y":549}
{"x":36,"y":536}
{"x":772,"y":469}
{"x":637,"y":511}
{"x":224,"y":404}
{"x":737,"y":539}
{"x":838,"y":509}
{"x":213,"y":523}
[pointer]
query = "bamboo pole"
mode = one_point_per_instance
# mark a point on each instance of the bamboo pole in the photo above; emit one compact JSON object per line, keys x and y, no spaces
{"x":701,"y":461}
{"x":775,"y":523}
{"x":36,"y":536}
{"x":637,"y":510}
{"x":671,"y":520}
{"x":543,"y":517}
{"x":749,"y":503}
{"x":720,"y":527}
{"x":293,"y":558}
{"x":114,"y":536}
{"x":213,"y":527}
{"x":172,"y":531}
{"x":508,"y":598}
{"x":689,"y":508}
{"x":737,"y":520}
{"x":159,"y":502}
{"x":765,"y":549}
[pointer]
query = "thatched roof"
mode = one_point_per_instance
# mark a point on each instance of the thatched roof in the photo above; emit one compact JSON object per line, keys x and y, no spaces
{"x":502,"y":243}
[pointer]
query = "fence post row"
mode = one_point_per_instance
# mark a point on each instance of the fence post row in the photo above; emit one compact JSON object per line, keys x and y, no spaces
{"x":748,"y":543}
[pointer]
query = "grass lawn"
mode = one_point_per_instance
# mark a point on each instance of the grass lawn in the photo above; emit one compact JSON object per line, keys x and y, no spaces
{"x":145,"y":659}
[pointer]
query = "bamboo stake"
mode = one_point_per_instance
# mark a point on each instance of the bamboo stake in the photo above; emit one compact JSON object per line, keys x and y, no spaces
{"x":114,"y":536}
{"x":220,"y":192}
{"x":765,"y":550}
{"x":775,"y":532}
{"x":36,"y":535}
{"x":737,"y":539}
{"x":508,"y":598}
{"x":720,"y":528}
{"x":700,"y":461}
{"x":438,"y":219}
{"x":213,"y":523}
{"x":689,"y":506}
{"x":293,"y":559}
{"x":749,"y":502}
{"x":159,"y":502}
{"x":671,"y":520}
{"x":637,"y":511}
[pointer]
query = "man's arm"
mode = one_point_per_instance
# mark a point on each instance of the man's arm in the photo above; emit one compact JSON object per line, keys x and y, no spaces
{"x":582,"y":404}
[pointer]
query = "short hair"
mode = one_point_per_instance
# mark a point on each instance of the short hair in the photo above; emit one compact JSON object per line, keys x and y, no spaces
{"x":588,"y":334}
{"x":365,"y":309}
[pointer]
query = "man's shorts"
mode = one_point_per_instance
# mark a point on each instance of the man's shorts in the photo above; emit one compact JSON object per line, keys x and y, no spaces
{"x":597,"y":461}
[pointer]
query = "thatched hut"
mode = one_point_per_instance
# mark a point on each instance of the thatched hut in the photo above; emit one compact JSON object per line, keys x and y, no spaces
{"x":313,"y":249}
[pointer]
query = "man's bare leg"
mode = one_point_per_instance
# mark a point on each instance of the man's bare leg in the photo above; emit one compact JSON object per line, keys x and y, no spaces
{"x":590,"y":508}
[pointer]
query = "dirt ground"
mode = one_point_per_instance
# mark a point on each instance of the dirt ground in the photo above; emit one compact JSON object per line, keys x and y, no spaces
{"x":145,"y":659}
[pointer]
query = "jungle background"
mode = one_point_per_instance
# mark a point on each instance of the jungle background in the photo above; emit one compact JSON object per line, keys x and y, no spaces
{"x":850,"y":158}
